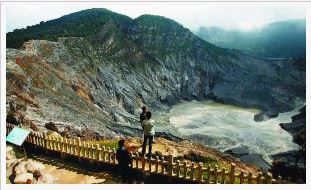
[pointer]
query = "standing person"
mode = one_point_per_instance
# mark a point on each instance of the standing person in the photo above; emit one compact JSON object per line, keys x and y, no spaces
{"x":148,"y":126}
{"x":125,"y":161}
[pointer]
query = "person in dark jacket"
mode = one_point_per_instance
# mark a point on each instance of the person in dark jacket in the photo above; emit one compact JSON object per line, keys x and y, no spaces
{"x":143,"y":114}
{"x":125,"y":161}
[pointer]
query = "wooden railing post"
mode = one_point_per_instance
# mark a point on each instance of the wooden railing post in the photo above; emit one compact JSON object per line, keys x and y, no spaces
{"x":208,"y":173}
{"x":68,"y":146}
{"x":104,"y":154}
{"x":258,"y":180}
{"x":59,"y":139}
{"x":143,"y":164}
{"x":150,"y":164}
{"x":72,"y":147}
{"x":223,"y":176}
{"x":77,"y":147}
{"x":109,"y":155}
{"x":40,"y":139}
{"x":93,"y":156}
{"x":84,"y":150}
{"x":35,"y":139}
{"x":50,"y":142}
{"x":114,"y":156}
{"x":53,"y":143}
{"x":242,"y":177}
{"x":157,"y":164}
{"x":232,"y":172}
{"x":43,"y":140}
{"x":90,"y":152}
{"x":178,"y":168}
{"x":200,"y":172}
{"x":137,"y":160}
{"x":45,"y":144}
{"x":170,"y":168}
{"x":98,"y":150}
{"x":162,"y":165}
{"x":63,"y":150}
{"x":269,"y":178}
{"x":64,"y":145}
{"x":185,"y":169}
{"x":216,"y":174}
{"x":192,"y":171}
{"x":30,"y":138}
{"x":101,"y":152}
{"x":249,"y":178}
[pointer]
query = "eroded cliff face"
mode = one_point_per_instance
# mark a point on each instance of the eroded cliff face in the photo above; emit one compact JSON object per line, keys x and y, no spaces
{"x":101,"y":81}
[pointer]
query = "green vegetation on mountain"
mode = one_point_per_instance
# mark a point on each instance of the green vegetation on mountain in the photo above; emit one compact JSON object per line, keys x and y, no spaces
{"x":164,"y":37}
{"x":164,"y":32}
{"x":79,"y":24}
{"x":278,"y":39}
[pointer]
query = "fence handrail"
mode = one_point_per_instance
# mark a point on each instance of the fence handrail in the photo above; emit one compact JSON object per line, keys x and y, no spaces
{"x":195,"y":172}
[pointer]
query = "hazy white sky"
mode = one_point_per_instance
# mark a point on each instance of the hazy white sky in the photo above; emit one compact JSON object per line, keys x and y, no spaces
{"x":191,"y":15}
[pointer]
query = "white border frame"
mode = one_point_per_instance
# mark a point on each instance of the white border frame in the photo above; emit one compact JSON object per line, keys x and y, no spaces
{"x":179,"y":186}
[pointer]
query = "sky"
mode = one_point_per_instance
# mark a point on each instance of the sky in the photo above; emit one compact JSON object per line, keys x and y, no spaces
{"x":190,"y":15}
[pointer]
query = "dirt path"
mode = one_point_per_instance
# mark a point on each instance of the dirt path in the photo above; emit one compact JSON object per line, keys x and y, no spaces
{"x":160,"y":145}
{"x":72,"y":173}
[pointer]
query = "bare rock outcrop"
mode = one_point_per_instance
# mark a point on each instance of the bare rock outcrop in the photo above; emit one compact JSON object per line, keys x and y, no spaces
{"x":23,"y":178}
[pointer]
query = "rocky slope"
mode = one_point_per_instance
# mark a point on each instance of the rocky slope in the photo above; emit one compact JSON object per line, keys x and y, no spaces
{"x":26,"y":171}
{"x":292,"y":164}
{"x":101,"y":79}
{"x":298,"y":124}
{"x":297,"y":128}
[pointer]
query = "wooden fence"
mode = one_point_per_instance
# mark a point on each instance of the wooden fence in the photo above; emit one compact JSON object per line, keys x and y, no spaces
{"x":190,"y":171}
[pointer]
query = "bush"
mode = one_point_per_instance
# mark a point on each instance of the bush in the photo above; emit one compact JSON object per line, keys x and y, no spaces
{"x":51,"y":126}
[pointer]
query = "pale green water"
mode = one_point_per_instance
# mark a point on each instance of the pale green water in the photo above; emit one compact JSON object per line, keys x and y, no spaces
{"x":224,"y":127}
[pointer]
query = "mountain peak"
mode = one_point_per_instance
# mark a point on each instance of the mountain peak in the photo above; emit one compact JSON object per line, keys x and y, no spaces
{"x":79,"y":24}
{"x":157,"y":21}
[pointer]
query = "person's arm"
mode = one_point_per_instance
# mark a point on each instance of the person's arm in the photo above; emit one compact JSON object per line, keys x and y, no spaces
{"x":118,"y":156}
{"x":144,"y":123}
{"x":142,"y":116}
